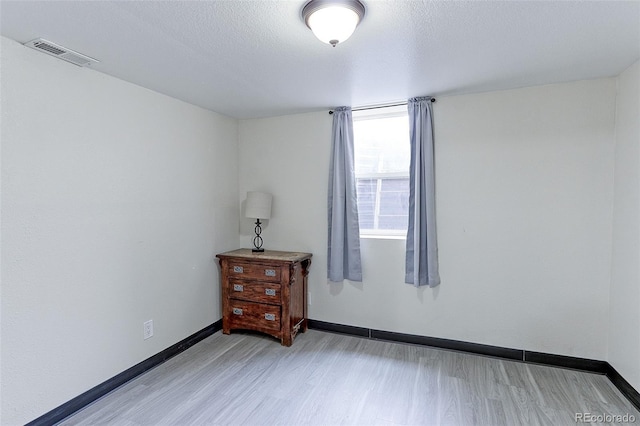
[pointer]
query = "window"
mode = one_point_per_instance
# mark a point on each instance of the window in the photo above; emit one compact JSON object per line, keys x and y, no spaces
{"x":382,"y":155}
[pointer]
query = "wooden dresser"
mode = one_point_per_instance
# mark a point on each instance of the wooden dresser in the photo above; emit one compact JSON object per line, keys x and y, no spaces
{"x":265,"y":292}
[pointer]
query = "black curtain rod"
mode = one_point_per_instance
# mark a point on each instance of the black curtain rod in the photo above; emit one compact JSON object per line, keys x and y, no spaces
{"x":380,"y":106}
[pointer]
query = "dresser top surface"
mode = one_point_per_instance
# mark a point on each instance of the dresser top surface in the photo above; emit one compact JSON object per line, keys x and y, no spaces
{"x":284,"y":256}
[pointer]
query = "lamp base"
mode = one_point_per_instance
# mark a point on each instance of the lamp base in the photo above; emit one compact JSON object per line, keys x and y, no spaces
{"x":257,"y":240}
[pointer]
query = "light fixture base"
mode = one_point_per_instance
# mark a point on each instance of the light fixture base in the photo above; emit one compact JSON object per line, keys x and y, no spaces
{"x":330,"y":33}
{"x":315,"y":5}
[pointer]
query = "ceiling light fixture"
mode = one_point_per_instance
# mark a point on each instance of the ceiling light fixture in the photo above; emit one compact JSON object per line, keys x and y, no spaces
{"x":333,"y":21}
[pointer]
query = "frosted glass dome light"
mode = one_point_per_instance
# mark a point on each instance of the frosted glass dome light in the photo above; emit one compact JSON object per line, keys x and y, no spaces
{"x":333,"y":21}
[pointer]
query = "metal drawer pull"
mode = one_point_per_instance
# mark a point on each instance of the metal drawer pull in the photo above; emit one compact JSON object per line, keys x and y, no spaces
{"x":269,"y":292}
{"x":270,"y":272}
{"x":238,"y":287}
{"x":237,"y":311}
{"x":270,"y":317}
{"x":238,"y":269}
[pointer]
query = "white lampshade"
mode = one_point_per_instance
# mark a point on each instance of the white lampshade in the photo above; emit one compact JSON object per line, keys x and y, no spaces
{"x":333,"y":21}
{"x":258,"y":205}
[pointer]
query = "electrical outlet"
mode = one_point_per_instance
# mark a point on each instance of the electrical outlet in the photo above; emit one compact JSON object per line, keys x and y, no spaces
{"x":148,"y":329}
{"x":309,"y":298}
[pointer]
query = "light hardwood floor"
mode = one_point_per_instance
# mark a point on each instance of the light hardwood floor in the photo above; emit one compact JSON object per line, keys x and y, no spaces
{"x":332,"y":379}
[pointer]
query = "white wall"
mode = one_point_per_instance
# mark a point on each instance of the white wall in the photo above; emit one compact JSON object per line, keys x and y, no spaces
{"x":115,"y":200}
{"x":524,"y":182}
{"x":624,"y":331}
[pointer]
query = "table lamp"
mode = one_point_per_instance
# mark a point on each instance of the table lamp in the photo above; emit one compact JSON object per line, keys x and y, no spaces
{"x":258,"y":207}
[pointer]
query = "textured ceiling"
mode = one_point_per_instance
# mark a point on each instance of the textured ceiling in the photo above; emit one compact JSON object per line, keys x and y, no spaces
{"x":257,"y":58}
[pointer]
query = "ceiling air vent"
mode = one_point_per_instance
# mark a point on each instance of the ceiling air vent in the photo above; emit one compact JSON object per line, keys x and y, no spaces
{"x":61,"y":52}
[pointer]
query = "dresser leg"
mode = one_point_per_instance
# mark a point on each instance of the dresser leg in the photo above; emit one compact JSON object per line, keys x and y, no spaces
{"x":286,"y":340}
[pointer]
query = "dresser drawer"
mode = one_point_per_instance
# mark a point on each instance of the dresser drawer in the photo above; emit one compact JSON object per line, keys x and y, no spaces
{"x":258,"y":272}
{"x":250,"y":315}
{"x":255,"y":291}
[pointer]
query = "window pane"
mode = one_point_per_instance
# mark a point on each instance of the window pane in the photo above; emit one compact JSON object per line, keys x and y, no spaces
{"x":381,"y":145}
{"x":394,"y":204}
{"x":366,"y":189}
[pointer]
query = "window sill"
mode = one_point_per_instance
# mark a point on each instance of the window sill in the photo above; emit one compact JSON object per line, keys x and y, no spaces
{"x":383,"y":237}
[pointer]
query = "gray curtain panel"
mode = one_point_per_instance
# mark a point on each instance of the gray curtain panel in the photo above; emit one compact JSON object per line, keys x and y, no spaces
{"x":344,"y":230}
{"x":422,"y":247}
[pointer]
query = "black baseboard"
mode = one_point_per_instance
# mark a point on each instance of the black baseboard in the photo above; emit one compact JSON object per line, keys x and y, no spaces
{"x":81,"y":401}
{"x":456,"y":345}
{"x":623,"y":386}
{"x":551,"y":360}
{"x":338,"y":328}
{"x":583,"y":364}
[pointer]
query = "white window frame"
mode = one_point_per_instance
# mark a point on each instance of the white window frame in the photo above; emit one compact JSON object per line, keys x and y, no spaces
{"x":373,"y":114}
